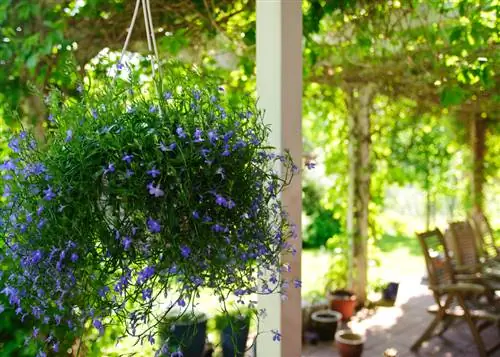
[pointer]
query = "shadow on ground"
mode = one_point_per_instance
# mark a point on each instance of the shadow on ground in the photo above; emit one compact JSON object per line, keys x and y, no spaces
{"x":400,"y":326}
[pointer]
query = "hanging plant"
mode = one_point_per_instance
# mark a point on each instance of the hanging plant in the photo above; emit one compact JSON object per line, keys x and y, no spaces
{"x":134,"y":204}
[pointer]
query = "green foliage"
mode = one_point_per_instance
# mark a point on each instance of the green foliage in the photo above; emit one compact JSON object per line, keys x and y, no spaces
{"x":337,"y":275}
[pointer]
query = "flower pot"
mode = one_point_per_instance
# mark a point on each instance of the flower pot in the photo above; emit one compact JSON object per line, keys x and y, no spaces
{"x":349,"y":344}
{"x":390,"y":293}
{"x":189,"y":336}
{"x":234,"y":338}
{"x":344,"y":302}
{"x":325,"y":322}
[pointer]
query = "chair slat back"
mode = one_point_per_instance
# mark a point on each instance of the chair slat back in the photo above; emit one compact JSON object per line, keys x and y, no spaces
{"x":484,"y":235}
{"x":437,"y":260}
{"x":463,"y":245}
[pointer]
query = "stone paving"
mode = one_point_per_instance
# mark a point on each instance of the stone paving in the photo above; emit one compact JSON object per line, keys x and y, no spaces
{"x":400,"y":326}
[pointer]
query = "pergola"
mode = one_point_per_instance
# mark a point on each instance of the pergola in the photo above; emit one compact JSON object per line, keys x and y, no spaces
{"x":279,"y":87}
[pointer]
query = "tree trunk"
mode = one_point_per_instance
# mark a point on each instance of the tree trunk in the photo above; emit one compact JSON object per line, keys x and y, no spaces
{"x":478,"y":144}
{"x":359,"y":105}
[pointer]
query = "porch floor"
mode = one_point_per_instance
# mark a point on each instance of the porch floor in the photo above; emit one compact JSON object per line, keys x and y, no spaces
{"x":400,"y":326}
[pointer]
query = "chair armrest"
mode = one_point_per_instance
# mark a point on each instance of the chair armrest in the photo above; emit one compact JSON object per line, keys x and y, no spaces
{"x":461,"y":288}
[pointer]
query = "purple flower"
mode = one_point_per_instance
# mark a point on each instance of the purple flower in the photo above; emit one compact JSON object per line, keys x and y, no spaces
{"x":155,"y":191}
{"x":226,"y":151}
{"x":147,"y":293}
{"x":217,"y":228}
{"x":127,"y":242}
{"x":230,"y":204}
{"x":35,"y":332}
{"x":48,"y":194}
{"x":220,"y":200}
{"x":152,"y":109}
{"x":55,"y":347}
{"x":145,"y":274}
{"x":74,"y":257}
{"x":103,"y":291}
{"x":297,"y":283}
{"x":276,"y":335}
{"x":310,"y":165}
{"x":119,"y":66}
{"x":14,"y":145}
{"x":98,"y":325}
{"x":8,"y":165}
{"x":177,"y":354}
{"x":6,"y":191}
{"x":127,"y":158}
{"x":180,"y":132}
{"x":69,"y":135}
{"x":153,"y":226}
{"x":41,"y":223}
{"x":39,"y":210}
{"x":196,"y":94}
{"x":196,"y":215}
{"x":167,"y":95}
{"x":129,"y":173}
{"x":110,"y":168}
{"x":51,"y":118}
{"x":94,"y":113}
{"x":212,"y":136}
{"x":185,"y":251}
{"x":197,"y":136}
{"x":154,"y":172}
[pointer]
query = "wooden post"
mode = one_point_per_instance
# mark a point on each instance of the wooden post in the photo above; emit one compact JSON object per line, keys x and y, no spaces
{"x":478,"y":144}
{"x":359,"y":105}
{"x":279,"y":87}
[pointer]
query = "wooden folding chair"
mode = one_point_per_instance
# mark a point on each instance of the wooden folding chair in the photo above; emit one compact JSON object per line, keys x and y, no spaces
{"x":454,"y":300}
{"x":485,"y":237}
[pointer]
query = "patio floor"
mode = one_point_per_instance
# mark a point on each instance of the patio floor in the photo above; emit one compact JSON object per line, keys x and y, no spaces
{"x":399,"y":326}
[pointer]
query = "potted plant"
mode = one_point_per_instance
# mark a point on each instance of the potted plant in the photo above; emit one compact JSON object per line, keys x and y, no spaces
{"x":340,"y":298}
{"x":349,"y":344}
{"x":186,"y":333}
{"x":390,"y":291}
{"x":141,"y":191}
{"x":234,"y":328}
{"x":325,"y":322}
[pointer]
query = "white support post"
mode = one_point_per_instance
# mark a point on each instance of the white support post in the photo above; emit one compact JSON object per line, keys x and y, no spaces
{"x":279,"y":88}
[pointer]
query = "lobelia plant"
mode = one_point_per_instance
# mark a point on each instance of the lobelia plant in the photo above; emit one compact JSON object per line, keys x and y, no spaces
{"x":134,"y":203}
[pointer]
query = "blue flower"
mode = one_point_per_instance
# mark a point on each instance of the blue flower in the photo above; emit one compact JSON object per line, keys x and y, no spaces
{"x":8,"y":165}
{"x":147,"y":293}
{"x":48,"y":194}
{"x":51,"y":118}
{"x":74,"y":257}
{"x":98,"y":325}
{"x":129,"y":173}
{"x":14,"y":145}
{"x":155,"y":191}
{"x":196,"y":215}
{"x":152,"y":109}
{"x":69,"y":135}
{"x":185,"y":251}
{"x":276,"y":335}
{"x":110,"y":168}
{"x":196,"y":94}
{"x":94,"y":113}
{"x":297,"y":283}
{"x":220,"y":200}
{"x":212,"y":136}
{"x":153,"y":226}
{"x":145,"y":274}
{"x":127,"y":242}
{"x":197,"y":136}
{"x":310,"y":165}
{"x":167,"y":95}
{"x":153,"y":172}
{"x":127,"y":158}
{"x":180,"y":132}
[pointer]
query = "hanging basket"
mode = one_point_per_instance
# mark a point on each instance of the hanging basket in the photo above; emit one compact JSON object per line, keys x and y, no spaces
{"x":135,"y":200}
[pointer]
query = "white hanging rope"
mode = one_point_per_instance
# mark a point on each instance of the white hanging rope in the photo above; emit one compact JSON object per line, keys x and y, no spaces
{"x":153,"y":37}
{"x":129,"y":34}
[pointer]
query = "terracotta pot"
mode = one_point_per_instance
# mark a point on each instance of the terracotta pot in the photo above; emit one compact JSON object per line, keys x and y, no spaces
{"x":349,"y":344}
{"x":344,"y":302}
{"x":324,"y":323}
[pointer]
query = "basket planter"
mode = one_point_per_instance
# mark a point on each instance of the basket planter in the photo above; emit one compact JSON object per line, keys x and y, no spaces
{"x":390,"y":293}
{"x":344,"y":302}
{"x":349,"y":344}
{"x":234,"y":338}
{"x":325,"y":323}
{"x":187,"y":336}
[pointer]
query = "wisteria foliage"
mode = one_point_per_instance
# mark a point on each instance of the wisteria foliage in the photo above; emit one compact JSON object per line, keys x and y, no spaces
{"x":135,"y":202}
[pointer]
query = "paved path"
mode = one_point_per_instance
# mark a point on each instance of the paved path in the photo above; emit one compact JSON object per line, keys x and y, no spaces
{"x":399,"y":326}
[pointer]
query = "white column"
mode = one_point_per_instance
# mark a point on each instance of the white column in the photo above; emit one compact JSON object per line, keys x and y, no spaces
{"x":279,"y":88}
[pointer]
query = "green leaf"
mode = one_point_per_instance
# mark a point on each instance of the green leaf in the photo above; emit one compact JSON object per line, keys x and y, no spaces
{"x":32,"y":61}
{"x":455,"y":34}
{"x":452,"y":96}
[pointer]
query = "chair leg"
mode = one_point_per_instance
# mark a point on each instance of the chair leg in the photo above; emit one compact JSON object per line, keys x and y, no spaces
{"x":427,"y":333}
{"x":473,"y":328}
{"x":447,"y":321}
